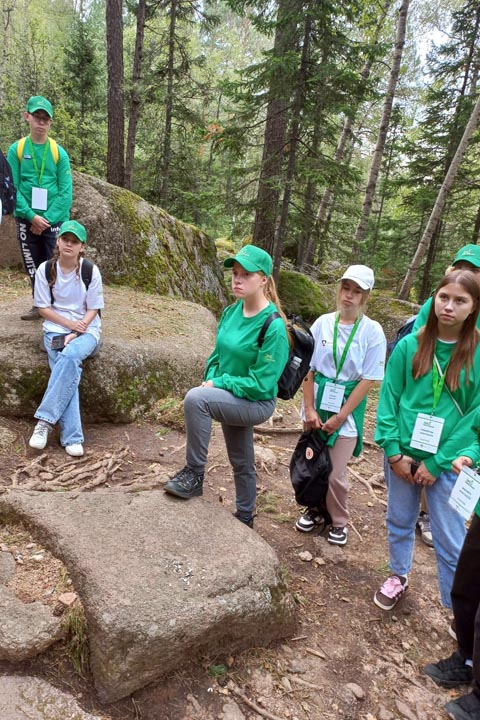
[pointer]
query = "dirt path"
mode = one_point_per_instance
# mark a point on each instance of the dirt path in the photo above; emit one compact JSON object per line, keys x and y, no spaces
{"x":342,"y":638}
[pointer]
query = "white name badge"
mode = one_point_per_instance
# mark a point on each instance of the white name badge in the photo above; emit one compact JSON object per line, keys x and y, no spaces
{"x":332,"y":397}
{"x":465,"y":493}
{"x":426,"y":433}
{"x":39,"y":198}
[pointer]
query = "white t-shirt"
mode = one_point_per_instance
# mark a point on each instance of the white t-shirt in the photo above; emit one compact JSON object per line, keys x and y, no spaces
{"x":71,"y":299}
{"x":365,"y":359}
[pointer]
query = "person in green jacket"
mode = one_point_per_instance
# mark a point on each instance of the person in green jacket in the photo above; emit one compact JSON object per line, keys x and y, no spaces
{"x":467,"y":258}
{"x":43,"y":179}
{"x":463,"y":666}
{"x":239,"y":389}
{"x":427,"y":404}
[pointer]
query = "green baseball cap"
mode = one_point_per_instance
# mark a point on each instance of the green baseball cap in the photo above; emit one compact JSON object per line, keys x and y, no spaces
{"x":37,"y":102}
{"x":468,"y":253}
{"x":74,"y":227}
{"x":252,"y":259}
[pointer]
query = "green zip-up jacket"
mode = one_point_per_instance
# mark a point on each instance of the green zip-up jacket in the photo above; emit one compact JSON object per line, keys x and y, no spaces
{"x":473,"y":450}
{"x":56,"y":179}
{"x":402,"y":398}
{"x":238,"y":364}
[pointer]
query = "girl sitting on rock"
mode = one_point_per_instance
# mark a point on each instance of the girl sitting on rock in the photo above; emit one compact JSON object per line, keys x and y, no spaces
{"x":240,"y":385}
{"x":72,"y":328}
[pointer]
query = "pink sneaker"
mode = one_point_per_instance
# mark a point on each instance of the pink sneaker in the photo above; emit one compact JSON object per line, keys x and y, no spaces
{"x":391,"y":591}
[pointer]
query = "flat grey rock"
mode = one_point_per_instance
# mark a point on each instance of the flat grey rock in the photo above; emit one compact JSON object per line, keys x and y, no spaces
{"x":26,"y":629}
{"x":7,"y":567}
{"x":29,"y":698}
{"x":162,"y":581}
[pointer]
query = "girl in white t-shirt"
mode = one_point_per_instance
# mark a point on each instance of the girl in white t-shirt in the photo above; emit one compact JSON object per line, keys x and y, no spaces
{"x":72,"y":329}
{"x":348,"y":359}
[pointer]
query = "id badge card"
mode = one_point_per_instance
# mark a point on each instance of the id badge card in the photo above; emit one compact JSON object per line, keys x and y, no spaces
{"x":39,"y":198}
{"x":427,"y":432}
{"x":465,"y":493}
{"x":332,"y":397}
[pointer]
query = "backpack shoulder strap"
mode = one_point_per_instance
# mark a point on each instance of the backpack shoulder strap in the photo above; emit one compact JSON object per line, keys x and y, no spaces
{"x":48,"y":277}
{"x":53,"y":149}
{"x":265,"y":327}
{"x":20,"y":146}
{"x":87,"y":270}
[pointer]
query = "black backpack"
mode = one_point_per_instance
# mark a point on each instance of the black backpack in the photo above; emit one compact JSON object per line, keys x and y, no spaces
{"x":86,"y":273}
{"x":405,"y":329}
{"x":310,"y":467}
{"x":301,"y":351}
{"x":8,"y":193}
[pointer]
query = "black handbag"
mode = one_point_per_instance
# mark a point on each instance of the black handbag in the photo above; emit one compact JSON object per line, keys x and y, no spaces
{"x":310,"y":467}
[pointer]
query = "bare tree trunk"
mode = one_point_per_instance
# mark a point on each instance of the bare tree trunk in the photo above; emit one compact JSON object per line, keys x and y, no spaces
{"x":476,"y":229}
{"x":266,"y":205}
{"x":293,"y":143}
{"x":167,"y":135}
{"x":135,"y":94}
{"x":116,"y":121}
{"x":440,"y":202}
{"x":382,"y":134}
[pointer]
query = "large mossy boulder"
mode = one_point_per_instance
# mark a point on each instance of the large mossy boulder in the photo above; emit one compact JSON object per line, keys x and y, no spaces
{"x":139,"y":245}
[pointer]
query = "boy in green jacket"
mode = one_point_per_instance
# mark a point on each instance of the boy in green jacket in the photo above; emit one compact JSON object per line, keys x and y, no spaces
{"x":41,"y":173}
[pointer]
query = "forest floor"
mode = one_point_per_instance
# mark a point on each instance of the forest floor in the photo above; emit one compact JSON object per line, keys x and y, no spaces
{"x":347,"y":660}
{"x":341,"y":638}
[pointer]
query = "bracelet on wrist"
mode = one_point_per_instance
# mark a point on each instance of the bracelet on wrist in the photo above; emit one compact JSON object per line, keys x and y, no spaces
{"x":394,"y":462}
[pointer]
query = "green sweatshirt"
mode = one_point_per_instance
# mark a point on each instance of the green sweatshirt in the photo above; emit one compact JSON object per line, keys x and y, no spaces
{"x":56,"y":179}
{"x":473,"y":450}
{"x":402,"y":398}
{"x":238,"y":364}
{"x":422,"y":316}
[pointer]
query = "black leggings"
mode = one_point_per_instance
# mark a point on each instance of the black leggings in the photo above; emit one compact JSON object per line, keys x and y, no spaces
{"x":466,"y":600}
{"x":35,"y":249}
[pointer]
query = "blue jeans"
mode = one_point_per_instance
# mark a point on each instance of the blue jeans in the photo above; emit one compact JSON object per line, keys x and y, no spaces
{"x":448,"y":527}
{"x":61,"y":402}
{"x":237,"y":417}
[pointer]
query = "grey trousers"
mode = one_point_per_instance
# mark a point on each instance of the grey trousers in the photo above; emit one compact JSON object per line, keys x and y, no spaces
{"x":237,"y":417}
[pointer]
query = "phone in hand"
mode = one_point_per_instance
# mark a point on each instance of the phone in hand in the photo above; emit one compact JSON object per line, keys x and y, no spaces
{"x":414,"y":467}
{"x":58,"y":342}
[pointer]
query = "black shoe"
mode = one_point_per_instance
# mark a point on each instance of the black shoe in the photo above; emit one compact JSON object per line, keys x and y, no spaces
{"x":185,"y":484}
{"x":32,"y":314}
{"x":245,"y":520}
{"x":450,"y":672}
{"x":466,"y":707}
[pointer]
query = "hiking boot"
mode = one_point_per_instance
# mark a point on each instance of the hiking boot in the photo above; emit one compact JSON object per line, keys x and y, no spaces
{"x":466,"y":707}
{"x":450,"y":672}
{"x":337,"y":535}
{"x":423,"y":524}
{"x":40,"y":435}
{"x":391,"y":591}
{"x":310,"y":520}
{"x":244,"y":519}
{"x":185,"y":484}
{"x":75,"y":450}
{"x":32,"y":314}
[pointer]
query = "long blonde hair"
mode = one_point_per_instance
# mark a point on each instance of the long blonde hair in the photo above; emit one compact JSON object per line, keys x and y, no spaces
{"x":55,"y":256}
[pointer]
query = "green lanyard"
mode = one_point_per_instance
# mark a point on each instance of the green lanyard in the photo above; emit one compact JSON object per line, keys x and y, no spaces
{"x":438,"y":381}
{"x":34,"y":159}
{"x":340,"y":365}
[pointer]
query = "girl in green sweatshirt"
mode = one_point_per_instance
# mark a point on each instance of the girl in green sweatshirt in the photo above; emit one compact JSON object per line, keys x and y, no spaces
{"x":427,"y":403}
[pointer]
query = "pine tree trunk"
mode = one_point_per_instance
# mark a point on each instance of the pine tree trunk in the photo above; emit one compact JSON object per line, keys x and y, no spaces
{"x":440,"y":202}
{"x":293,"y":143}
{"x":476,"y":229}
{"x":115,"y":113}
{"x":135,"y":93}
{"x":361,"y":230}
{"x":268,"y":194}
{"x":167,"y":135}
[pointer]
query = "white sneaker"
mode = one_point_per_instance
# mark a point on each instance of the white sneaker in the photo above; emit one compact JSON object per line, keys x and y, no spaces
{"x":40,"y":435}
{"x":75,"y":450}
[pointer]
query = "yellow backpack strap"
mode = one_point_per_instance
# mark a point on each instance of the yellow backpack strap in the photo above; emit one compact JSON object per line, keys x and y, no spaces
{"x":20,"y":146}
{"x":53,"y":149}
